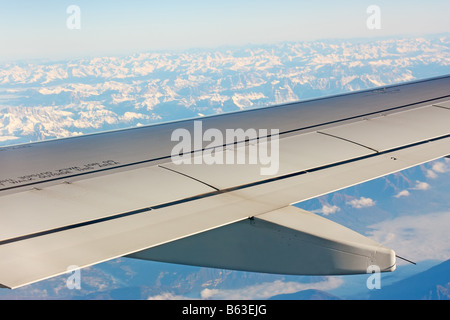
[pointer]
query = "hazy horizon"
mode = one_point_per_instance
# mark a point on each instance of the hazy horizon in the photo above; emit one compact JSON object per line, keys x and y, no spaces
{"x":52,"y":29}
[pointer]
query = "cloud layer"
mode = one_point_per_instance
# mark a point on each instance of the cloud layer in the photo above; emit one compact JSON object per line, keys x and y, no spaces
{"x":416,"y":237}
{"x":268,"y":289}
{"x":437,"y":168}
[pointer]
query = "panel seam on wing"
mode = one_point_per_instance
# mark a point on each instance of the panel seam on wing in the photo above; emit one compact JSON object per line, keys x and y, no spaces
{"x":190,"y":177}
{"x":347,"y":140}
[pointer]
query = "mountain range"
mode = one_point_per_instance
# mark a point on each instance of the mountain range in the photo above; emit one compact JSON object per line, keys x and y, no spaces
{"x":53,"y":99}
{"x":432,"y":284}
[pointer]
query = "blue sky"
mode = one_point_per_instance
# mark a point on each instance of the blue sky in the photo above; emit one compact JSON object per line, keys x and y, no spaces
{"x":37,"y":29}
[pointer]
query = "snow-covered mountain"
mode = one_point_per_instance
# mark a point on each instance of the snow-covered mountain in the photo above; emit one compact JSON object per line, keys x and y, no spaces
{"x":64,"y":98}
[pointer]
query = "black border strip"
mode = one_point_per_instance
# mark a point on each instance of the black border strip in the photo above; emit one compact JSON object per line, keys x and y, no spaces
{"x":213,"y":193}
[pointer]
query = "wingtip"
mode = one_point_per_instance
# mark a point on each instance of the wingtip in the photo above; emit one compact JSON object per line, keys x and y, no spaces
{"x":393,"y":261}
{"x":385,"y":259}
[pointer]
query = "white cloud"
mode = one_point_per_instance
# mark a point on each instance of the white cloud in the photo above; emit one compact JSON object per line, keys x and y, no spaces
{"x":403,"y":193}
{"x":327,"y":209}
{"x":167,"y":296}
{"x":415,"y":237}
{"x":6,"y":138}
{"x":209,"y":293}
{"x":268,"y":289}
{"x":361,"y":203}
{"x":431,"y":174}
{"x":440,"y":167}
{"x":421,"y":186}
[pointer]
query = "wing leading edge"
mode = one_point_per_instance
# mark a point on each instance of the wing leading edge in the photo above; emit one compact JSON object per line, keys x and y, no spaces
{"x":89,"y":199}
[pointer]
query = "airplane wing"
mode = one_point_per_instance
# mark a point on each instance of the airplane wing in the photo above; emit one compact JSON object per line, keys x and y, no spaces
{"x":210,"y":201}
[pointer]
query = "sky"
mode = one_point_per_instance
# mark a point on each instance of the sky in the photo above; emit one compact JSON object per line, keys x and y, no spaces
{"x":53,"y":29}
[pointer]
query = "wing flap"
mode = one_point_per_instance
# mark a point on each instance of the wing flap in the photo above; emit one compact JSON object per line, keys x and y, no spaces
{"x":443,"y":104}
{"x":301,"y":152}
{"x":42,"y":256}
{"x":81,"y":201}
{"x":396,"y":130}
{"x":306,"y":185}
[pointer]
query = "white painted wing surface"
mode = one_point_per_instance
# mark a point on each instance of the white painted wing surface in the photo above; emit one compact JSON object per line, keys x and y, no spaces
{"x":88,"y":199}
